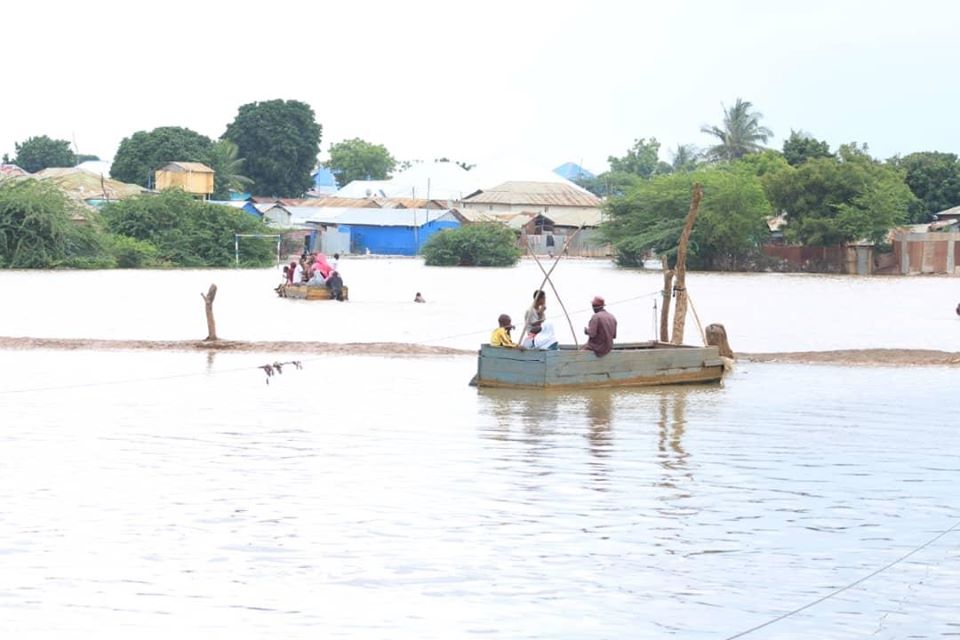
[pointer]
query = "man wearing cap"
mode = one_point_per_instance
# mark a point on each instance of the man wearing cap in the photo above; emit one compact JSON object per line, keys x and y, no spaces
{"x":501,"y":335}
{"x":602,"y":329}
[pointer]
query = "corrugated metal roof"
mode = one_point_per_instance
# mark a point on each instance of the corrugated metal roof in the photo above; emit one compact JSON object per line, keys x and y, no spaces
{"x":196,"y":167}
{"x":334,"y":201}
{"x":263,"y":207}
{"x":371,"y":217}
{"x":534,"y":193}
{"x":576,"y":218}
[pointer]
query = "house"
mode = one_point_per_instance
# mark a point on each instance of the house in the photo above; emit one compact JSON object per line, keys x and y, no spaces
{"x":243,"y":205}
{"x":573,"y":172}
{"x":274,"y":214}
{"x":192,"y":177}
{"x":376,"y":231}
{"x":540,"y":197}
{"x":324,"y":182}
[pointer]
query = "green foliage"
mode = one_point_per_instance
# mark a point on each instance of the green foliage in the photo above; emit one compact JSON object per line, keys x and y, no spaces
{"x":642,"y":159}
{"x":740,"y":133}
{"x":729,"y":226}
{"x":485,"y":244}
{"x":86,"y":157}
{"x":762,"y":163}
{"x":280,"y":140}
{"x":140,"y":155}
{"x":800,"y":147}
{"x":130,"y":253}
{"x":40,"y":152}
{"x":934,"y":178}
{"x":358,"y":159}
{"x":684,"y":158}
{"x":186,"y":232}
{"x":840,"y":199}
{"x":226,"y":167}
{"x":610,"y":183}
{"x":36,"y":231}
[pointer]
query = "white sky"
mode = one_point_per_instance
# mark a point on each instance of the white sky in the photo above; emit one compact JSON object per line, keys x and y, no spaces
{"x":539,"y":83}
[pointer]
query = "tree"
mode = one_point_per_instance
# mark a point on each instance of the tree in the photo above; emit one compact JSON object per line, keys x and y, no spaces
{"x":609,"y":183}
{"x":642,"y":159}
{"x":40,"y":152}
{"x":729,"y":228}
{"x":280,"y":140}
{"x":188,"y":232}
{"x":685,"y":157}
{"x":140,"y":155}
{"x":460,"y":163}
{"x":226,"y":169}
{"x":358,"y":159}
{"x":483,"y":244}
{"x":86,"y":157}
{"x":840,"y":199}
{"x":800,"y":147}
{"x":36,"y":231}
{"x":934,"y":178}
{"x":740,"y":133}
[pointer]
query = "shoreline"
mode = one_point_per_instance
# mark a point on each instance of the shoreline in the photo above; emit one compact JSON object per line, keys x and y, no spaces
{"x":854,"y":357}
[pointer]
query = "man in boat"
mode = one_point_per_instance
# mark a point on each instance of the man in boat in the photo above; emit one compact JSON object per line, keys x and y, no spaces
{"x":536,"y":312}
{"x":602,"y":329}
{"x":335,"y":284}
{"x":501,"y":335}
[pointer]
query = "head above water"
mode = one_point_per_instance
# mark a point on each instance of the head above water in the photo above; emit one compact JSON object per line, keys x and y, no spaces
{"x":504,"y":321}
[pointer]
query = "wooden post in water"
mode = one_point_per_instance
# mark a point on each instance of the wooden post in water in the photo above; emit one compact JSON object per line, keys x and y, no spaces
{"x":680,"y":311}
{"x":665,"y":308}
{"x":211,"y":323}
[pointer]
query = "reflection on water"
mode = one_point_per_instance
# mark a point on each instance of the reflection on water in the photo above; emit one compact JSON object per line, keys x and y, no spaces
{"x":374,"y":497}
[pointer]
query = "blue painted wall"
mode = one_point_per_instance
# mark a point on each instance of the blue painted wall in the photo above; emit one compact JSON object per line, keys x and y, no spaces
{"x":394,"y":241}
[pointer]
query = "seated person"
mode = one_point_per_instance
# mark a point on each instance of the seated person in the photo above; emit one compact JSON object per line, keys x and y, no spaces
{"x":335,"y":284}
{"x":501,"y":335}
{"x":317,"y":279}
{"x":541,"y":337}
{"x":418,"y":298}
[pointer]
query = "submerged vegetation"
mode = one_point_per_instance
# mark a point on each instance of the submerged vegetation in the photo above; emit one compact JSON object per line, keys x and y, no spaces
{"x":484,"y":244}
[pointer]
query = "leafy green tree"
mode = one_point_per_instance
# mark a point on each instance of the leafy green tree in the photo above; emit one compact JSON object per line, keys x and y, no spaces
{"x":280,"y":140}
{"x":188,"y":232}
{"x":36,"y":230}
{"x":358,"y":159}
{"x":741,"y":132}
{"x":831,"y":201}
{"x":800,"y":147}
{"x":934,"y":178}
{"x":642,"y":159}
{"x":460,"y":163}
{"x":86,"y":157}
{"x":40,"y":152}
{"x":728,"y":230}
{"x":140,"y":155}
{"x":226,"y":169}
{"x":610,"y":183}
{"x":762,"y":163}
{"x":483,"y":244}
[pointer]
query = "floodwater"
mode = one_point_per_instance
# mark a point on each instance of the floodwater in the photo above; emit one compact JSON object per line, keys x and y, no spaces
{"x":147,"y":494}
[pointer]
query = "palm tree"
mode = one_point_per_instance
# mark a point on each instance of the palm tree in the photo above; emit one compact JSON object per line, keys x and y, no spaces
{"x":226,"y":166}
{"x":685,"y":158}
{"x":740,"y":134}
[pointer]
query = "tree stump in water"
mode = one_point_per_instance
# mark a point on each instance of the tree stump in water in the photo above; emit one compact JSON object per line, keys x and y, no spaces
{"x":717,"y":337}
{"x":211,"y":323}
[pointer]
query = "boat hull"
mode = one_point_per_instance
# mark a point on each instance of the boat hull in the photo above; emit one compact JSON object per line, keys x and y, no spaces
{"x":305,"y":292}
{"x":628,"y":365}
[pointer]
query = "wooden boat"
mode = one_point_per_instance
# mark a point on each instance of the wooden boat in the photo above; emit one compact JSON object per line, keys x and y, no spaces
{"x":628,"y":365}
{"x":307,"y":292}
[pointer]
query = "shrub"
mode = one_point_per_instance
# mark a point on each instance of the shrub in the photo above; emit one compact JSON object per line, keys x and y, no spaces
{"x":487,"y":244}
{"x":130,"y":253}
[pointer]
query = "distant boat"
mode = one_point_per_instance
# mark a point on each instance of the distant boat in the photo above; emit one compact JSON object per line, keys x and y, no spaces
{"x":307,"y":292}
{"x":640,"y":364}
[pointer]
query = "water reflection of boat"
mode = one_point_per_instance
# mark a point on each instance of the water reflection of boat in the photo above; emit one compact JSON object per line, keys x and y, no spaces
{"x":638,"y":364}
{"x":307,"y":292}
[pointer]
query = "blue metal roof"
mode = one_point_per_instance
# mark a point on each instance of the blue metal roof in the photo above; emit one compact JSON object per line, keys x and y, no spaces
{"x":572,"y":171}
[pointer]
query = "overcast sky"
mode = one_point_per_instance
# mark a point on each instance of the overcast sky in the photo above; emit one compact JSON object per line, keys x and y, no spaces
{"x":519,"y":81}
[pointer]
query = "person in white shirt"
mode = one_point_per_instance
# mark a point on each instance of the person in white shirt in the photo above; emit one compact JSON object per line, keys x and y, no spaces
{"x":540,"y":336}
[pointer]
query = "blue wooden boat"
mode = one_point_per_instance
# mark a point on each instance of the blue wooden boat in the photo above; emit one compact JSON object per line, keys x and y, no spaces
{"x":637,"y":364}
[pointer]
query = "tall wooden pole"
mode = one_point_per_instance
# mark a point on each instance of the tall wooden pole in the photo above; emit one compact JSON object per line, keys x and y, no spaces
{"x":680,"y":311}
{"x":557,"y":296}
{"x":665,"y":307}
{"x":211,"y":323}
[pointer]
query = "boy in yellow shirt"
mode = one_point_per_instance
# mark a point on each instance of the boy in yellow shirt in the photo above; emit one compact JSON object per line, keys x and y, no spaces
{"x":501,"y":335}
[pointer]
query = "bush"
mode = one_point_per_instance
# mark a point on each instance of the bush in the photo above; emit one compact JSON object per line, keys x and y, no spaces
{"x":186,"y":232}
{"x":487,"y":244}
{"x":130,"y":253}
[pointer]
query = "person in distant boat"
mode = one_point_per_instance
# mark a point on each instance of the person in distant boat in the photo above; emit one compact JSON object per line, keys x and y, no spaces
{"x":317,"y":279}
{"x":540,"y":337}
{"x":335,"y":263}
{"x":418,"y":298}
{"x":501,"y":335}
{"x":289,"y":270}
{"x":335,"y":285}
{"x":298,"y":273}
{"x":320,"y":264}
{"x":537,"y":311}
{"x":958,"y":308}
{"x":602,"y":329}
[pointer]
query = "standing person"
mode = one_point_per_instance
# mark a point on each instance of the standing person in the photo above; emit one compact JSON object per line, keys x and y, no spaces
{"x":335,"y":263}
{"x":602,"y":329}
{"x":537,"y":311}
{"x":290,"y":271}
{"x":501,"y":335}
